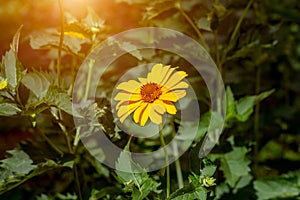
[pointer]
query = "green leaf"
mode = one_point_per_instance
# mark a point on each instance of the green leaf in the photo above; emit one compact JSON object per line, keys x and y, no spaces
{"x":244,"y":107}
{"x":208,"y":170}
{"x":231,"y":110}
{"x":10,"y":180}
{"x":9,"y":109}
{"x":203,"y":126}
{"x":38,"y":82}
{"x":245,"y":51}
{"x":221,"y":189}
{"x":263,"y":95}
{"x":204,"y":24}
{"x":10,"y":65}
{"x":244,"y":181}
{"x":60,"y":99}
{"x":235,"y":165}
{"x":189,"y":193}
{"x":19,"y":163}
{"x":148,"y":185}
{"x":126,"y":169}
{"x":49,"y":39}
{"x":276,"y":188}
{"x":131,"y":49}
{"x":129,"y":172}
{"x":15,"y":43}
{"x":93,"y":21}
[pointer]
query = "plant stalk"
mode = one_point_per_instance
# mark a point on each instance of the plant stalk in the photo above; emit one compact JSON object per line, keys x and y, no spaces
{"x":162,"y":140}
{"x":61,"y":40}
{"x":193,"y":25}
{"x":177,"y":161}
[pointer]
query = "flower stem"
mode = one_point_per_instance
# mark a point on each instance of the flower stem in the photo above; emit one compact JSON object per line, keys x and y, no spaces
{"x":177,"y":161}
{"x":61,"y":40}
{"x":162,"y":140}
{"x":190,"y":21}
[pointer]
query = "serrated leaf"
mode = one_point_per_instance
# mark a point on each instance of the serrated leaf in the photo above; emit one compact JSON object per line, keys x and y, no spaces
{"x":49,"y":39}
{"x":60,"y":99}
{"x":19,"y":162}
{"x":208,"y":170}
{"x":9,"y":109}
{"x":10,"y":63}
{"x":93,"y":21}
{"x":275,"y":189}
{"x":38,"y":82}
{"x":235,"y":164}
{"x":126,"y":169}
{"x":147,"y":186}
{"x":15,"y":180}
{"x":131,"y":49}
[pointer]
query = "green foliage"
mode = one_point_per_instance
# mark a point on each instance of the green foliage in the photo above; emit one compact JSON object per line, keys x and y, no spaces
{"x":255,"y":45}
{"x":285,"y":186}
{"x":244,"y":107}
{"x":135,"y":179}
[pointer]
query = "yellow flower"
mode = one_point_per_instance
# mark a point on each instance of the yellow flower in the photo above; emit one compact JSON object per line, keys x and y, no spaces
{"x":208,"y":181}
{"x":3,"y":84}
{"x":151,"y":97}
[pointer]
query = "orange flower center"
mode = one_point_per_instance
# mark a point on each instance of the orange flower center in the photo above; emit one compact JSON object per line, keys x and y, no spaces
{"x":150,"y":92}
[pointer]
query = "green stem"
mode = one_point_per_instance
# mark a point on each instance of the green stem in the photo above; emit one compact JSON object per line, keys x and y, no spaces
{"x":190,"y":21}
{"x":177,"y":161}
{"x":77,"y":181}
{"x":51,"y":144}
{"x":64,"y":130}
{"x":89,"y":78}
{"x":237,"y":27}
{"x":162,"y":140}
{"x":61,"y":40}
{"x":256,"y":122}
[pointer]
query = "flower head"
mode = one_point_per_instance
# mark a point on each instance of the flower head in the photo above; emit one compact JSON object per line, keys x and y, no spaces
{"x":208,"y":181}
{"x":151,"y":97}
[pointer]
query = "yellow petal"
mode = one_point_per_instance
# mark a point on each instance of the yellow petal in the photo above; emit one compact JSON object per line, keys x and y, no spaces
{"x":168,"y":105}
{"x":170,"y":96}
{"x":143,"y":81}
{"x":138,"y":112}
{"x":126,"y":96}
{"x":166,"y":73}
{"x":174,"y":80}
{"x":155,"y":75}
{"x":141,"y":114}
{"x":179,"y":93}
{"x":179,"y":85}
{"x":130,"y":86}
{"x":156,"y":112}
{"x":125,"y":110}
{"x":145,"y":116}
{"x":171,"y":109}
